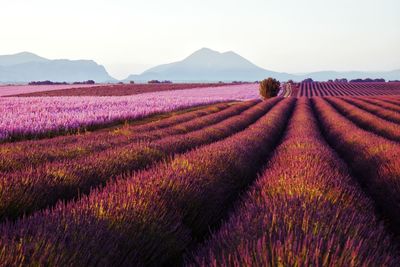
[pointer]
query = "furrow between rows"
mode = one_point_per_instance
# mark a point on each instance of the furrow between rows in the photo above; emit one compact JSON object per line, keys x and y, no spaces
{"x":148,"y":219}
{"x":26,"y":191}
{"x":29,"y":154}
{"x":367,"y":120}
{"x":372,"y":158}
{"x":305,"y":210}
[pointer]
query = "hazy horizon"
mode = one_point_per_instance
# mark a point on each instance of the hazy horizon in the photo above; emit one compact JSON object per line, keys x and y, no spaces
{"x":127,"y":37}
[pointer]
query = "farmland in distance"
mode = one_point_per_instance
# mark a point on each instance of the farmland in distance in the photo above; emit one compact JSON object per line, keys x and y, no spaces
{"x":201,"y":175}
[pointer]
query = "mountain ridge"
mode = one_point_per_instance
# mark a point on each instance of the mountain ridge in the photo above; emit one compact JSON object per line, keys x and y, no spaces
{"x":26,"y":67}
{"x":207,"y":65}
{"x":203,"y":65}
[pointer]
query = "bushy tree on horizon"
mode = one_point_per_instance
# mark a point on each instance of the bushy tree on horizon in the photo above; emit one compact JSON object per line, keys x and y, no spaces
{"x":269,"y":88}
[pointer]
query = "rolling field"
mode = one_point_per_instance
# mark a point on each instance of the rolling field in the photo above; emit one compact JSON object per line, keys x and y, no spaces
{"x":203,"y":177}
{"x":48,"y":116}
{"x":310,"y":89}
{"x":120,"y":90}
{"x":8,"y":90}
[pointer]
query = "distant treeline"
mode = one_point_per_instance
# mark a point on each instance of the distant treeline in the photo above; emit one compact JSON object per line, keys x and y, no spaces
{"x":367,"y":80}
{"x":157,"y":81}
{"x":59,"y":83}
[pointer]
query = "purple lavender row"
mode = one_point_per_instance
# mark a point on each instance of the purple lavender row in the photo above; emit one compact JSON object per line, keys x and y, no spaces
{"x":305,"y":210}
{"x":29,"y":190}
{"x":376,"y":110}
{"x":6,"y":90}
{"x":390,"y":99}
{"x":25,"y":117}
{"x":151,"y":218}
{"x":374,"y":159}
{"x":382,"y":103}
{"x":367,"y":120}
{"x":15,"y":156}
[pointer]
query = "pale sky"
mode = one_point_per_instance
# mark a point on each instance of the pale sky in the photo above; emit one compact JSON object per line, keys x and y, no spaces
{"x":128,"y":36}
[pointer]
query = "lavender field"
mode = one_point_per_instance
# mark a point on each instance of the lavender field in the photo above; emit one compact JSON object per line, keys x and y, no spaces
{"x":214,"y":176}
{"x":22,"y":116}
{"x":7,"y":90}
{"x":199,"y":133}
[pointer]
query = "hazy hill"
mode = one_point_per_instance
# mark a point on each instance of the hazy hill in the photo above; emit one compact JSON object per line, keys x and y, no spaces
{"x":26,"y":67}
{"x":209,"y":65}
{"x":204,"y":65}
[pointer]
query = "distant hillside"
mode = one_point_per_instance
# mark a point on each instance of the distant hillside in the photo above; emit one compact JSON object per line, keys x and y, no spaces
{"x":206,"y":65}
{"x":26,"y":67}
{"x":209,"y":65}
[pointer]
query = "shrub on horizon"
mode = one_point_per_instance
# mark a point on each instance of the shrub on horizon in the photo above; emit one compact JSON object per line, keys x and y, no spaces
{"x":367,"y":80}
{"x":343,"y":80}
{"x":47,"y":82}
{"x":269,"y":88}
{"x":154,"y":81}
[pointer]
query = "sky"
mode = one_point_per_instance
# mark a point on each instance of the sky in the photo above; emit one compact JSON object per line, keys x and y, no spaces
{"x":129,"y":36}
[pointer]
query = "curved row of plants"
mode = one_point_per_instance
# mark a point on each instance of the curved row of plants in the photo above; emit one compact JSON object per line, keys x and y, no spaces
{"x":382,"y":103}
{"x":376,"y":110}
{"x":150,"y":218}
{"x":366,"y":120}
{"x":33,"y":153}
{"x":304,"y":210}
{"x":374,"y":159}
{"x":26,"y":191}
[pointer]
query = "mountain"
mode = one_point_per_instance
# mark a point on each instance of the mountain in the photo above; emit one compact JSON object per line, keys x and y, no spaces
{"x":25,"y":67}
{"x":206,"y":65}
{"x":20,"y":58}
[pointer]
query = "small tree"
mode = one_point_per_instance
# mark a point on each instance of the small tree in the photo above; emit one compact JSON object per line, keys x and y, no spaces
{"x":269,"y":88}
{"x":308,"y":80}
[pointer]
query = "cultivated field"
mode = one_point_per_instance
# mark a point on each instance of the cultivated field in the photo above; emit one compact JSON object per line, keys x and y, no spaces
{"x":8,"y":90}
{"x":41,"y":116}
{"x":311,"y":89}
{"x":120,"y":89}
{"x":203,"y":177}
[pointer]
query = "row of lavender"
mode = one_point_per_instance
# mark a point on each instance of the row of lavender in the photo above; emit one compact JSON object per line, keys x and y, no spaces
{"x":31,"y":189}
{"x":310,"y":89}
{"x":7,"y":90}
{"x":48,"y":116}
{"x":372,"y":157}
{"x":292,"y":216}
{"x":31,"y":153}
{"x":305,"y":210}
{"x":379,"y":122}
{"x":152,"y":217}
